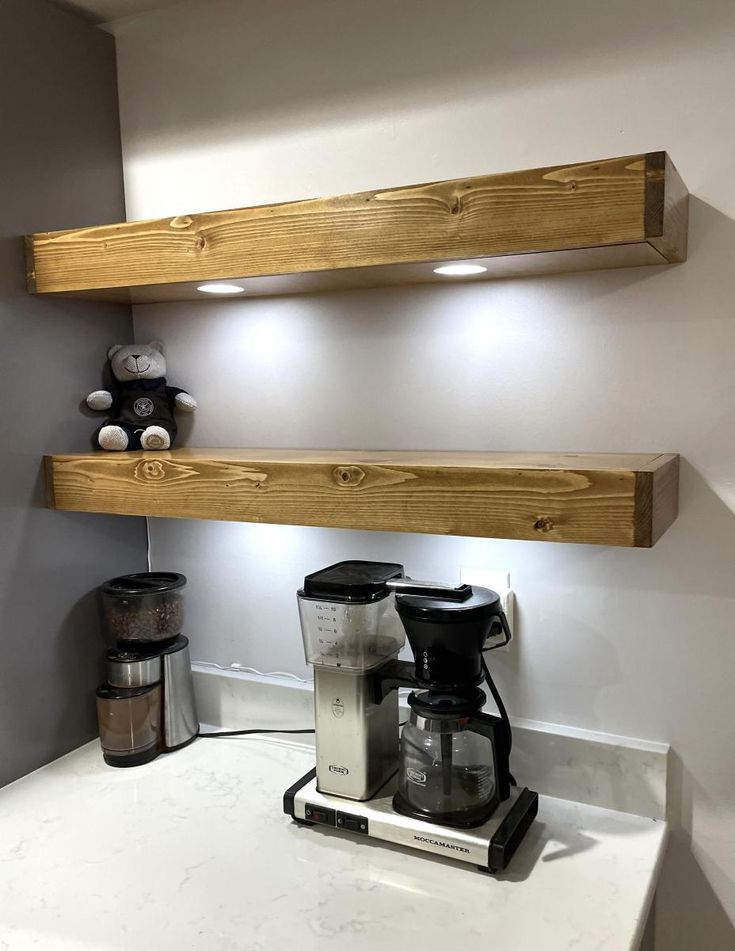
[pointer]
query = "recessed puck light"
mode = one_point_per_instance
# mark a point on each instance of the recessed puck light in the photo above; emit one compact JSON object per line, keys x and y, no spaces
{"x":459,"y":270}
{"x":220,"y":289}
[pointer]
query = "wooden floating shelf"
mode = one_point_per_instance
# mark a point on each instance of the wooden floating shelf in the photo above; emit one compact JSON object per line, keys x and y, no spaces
{"x":606,"y":499}
{"x":616,"y":212}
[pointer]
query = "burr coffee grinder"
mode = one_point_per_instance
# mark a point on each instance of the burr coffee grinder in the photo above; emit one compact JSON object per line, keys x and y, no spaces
{"x":445,"y":786}
{"x":146,"y":707}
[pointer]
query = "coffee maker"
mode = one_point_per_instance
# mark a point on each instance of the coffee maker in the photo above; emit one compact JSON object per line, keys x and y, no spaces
{"x":146,"y":706}
{"x":445,"y":785}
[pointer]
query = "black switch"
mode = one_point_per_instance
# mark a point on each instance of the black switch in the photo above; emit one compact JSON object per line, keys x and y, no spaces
{"x":319,"y":814}
{"x":352,"y":823}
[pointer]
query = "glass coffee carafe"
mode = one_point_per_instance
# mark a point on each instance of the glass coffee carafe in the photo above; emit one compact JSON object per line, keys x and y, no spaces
{"x":448,"y":766}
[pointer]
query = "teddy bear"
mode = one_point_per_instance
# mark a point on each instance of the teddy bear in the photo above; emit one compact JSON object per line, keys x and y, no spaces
{"x":140,"y":404}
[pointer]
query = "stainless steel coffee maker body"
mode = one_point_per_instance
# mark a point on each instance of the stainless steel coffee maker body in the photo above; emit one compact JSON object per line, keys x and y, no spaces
{"x":351,"y":630}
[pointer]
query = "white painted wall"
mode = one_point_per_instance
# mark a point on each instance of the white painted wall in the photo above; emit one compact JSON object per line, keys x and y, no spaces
{"x":229,"y":103}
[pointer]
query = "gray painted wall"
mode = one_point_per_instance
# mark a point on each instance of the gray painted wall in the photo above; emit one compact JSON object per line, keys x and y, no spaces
{"x":59,"y":167}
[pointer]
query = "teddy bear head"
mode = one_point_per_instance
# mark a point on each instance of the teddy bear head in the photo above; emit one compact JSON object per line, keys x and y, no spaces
{"x":137,"y":361}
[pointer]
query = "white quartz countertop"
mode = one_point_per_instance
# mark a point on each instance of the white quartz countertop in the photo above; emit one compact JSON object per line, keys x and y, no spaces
{"x":192,"y":852}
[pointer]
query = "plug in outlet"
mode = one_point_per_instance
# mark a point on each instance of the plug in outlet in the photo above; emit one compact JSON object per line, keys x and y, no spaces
{"x":497,"y":581}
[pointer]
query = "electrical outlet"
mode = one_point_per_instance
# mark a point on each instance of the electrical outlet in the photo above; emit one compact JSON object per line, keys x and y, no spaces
{"x":497,"y":581}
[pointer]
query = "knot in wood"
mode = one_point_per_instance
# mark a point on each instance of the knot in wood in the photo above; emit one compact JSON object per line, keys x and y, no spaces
{"x":543,"y":524}
{"x":152,"y":470}
{"x":348,"y":475}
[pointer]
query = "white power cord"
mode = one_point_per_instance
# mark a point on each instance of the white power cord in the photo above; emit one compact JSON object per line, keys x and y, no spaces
{"x":148,"y":543}
{"x":205,"y":663}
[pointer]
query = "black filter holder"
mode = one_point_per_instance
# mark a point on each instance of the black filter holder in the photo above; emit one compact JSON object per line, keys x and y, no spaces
{"x":447,"y":636}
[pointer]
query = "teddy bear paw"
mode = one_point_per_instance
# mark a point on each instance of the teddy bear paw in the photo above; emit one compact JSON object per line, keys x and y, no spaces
{"x":113,"y":438}
{"x":155,"y":437}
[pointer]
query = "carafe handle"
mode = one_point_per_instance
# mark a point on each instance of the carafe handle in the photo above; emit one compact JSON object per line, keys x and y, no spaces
{"x":485,"y":724}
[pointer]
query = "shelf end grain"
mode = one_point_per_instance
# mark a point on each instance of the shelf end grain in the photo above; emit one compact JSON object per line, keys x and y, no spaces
{"x":666,"y":208}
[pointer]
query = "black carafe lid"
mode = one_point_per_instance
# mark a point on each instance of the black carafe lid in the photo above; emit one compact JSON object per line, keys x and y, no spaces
{"x":439,"y":705}
{"x":355,"y":582}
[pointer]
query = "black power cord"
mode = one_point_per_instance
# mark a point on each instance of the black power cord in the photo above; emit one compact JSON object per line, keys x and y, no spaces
{"x":208,"y":736}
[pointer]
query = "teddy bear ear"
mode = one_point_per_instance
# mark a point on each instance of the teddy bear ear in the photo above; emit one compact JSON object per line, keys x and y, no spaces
{"x":113,"y":350}
{"x":157,"y":345}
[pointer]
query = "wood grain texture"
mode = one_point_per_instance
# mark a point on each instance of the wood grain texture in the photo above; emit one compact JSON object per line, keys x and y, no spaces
{"x":380,"y":237}
{"x":607,"y":499}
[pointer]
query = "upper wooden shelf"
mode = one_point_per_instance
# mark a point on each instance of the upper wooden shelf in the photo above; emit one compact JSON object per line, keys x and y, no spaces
{"x":607,"y":499}
{"x":613,"y":213}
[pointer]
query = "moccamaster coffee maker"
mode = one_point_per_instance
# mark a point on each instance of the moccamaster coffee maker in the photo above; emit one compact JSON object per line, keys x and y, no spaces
{"x":446,"y":786}
{"x":146,"y":707}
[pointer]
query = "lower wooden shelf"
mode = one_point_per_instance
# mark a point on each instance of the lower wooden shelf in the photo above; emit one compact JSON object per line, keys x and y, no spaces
{"x":596,"y":498}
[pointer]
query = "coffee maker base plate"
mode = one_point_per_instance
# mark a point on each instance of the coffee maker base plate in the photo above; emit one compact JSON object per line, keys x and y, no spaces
{"x":490,"y":846}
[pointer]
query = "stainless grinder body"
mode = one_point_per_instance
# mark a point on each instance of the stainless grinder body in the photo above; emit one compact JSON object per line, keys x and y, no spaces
{"x":171,"y":667}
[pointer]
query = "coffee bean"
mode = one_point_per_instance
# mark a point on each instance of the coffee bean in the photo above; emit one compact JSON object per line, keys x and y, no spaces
{"x":156,"y":618}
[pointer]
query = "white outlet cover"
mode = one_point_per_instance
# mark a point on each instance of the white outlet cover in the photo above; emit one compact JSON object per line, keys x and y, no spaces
{"x":497,"y":581}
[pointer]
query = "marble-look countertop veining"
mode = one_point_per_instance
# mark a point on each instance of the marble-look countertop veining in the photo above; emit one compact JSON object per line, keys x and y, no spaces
{"x":192,"y":852}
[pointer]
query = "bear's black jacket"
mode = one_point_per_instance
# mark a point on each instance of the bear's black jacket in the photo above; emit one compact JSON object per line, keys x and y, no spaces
{"x":137,"y":404}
